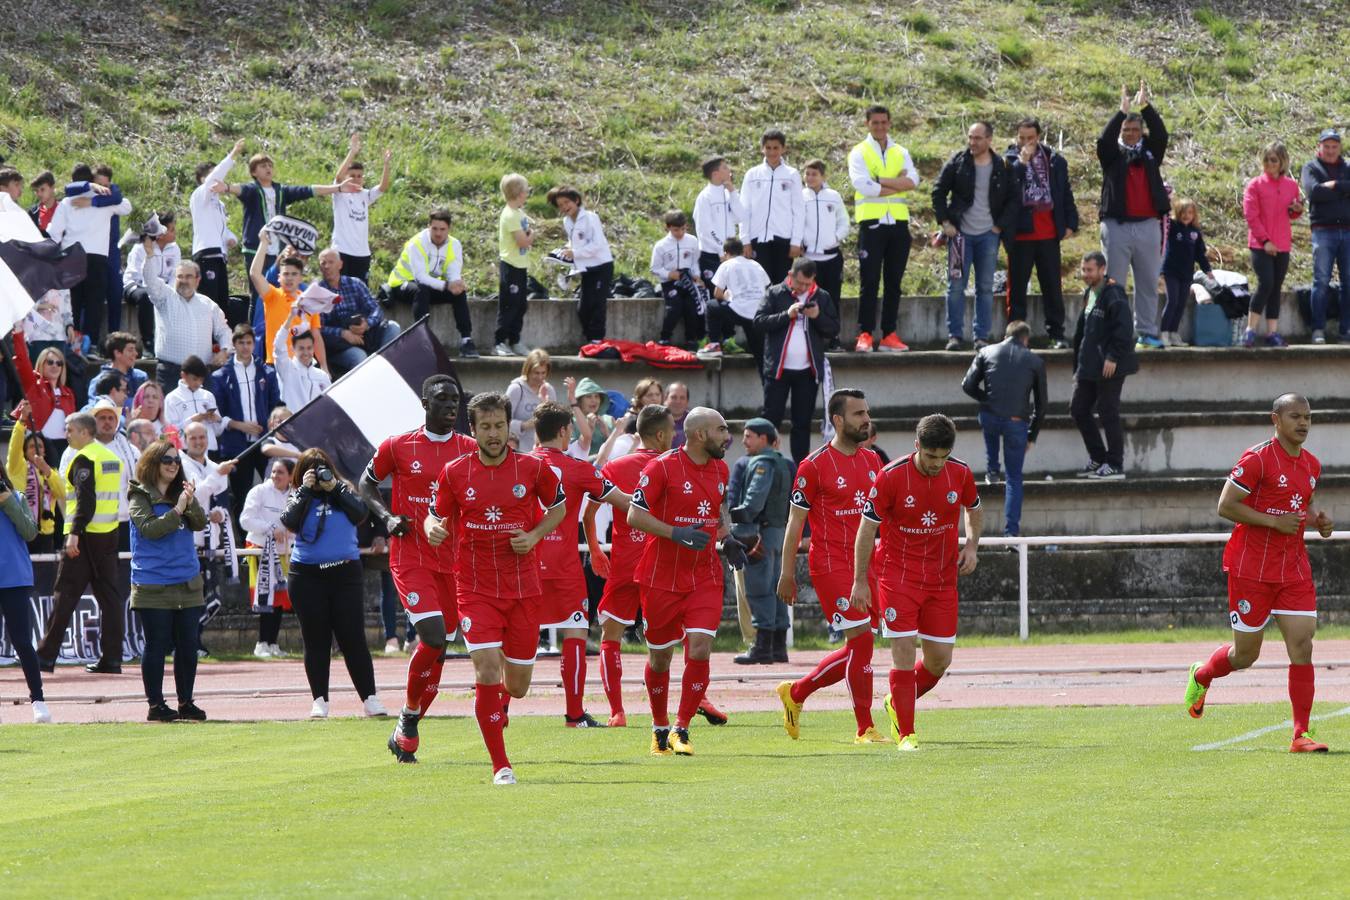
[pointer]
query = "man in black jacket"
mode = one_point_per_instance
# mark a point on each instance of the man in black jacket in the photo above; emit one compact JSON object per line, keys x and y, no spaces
{"x":796,"y":319}
{"x":1009,"y":382}
{"x":1046,"y":216}
{"x":1103,"y":355}
{"x":1134,"y":203}
{"x":1326,"y":183}
{"x":975,"y":201}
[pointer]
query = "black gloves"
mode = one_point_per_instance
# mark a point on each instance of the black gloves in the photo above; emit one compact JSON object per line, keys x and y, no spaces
{"x":690,"y":536}
{"x":734,"y":551}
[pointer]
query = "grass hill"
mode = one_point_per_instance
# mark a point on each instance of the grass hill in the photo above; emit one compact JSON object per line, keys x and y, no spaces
{"x":622,"y":98}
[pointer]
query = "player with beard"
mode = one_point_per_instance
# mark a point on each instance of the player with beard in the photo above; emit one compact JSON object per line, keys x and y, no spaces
{"x":830,"y":492}
{"x":681,"y":501}
{"x":423,"y":574}
{"x":501,"y":503}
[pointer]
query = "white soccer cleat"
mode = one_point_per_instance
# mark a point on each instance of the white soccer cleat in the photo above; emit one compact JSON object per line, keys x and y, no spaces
{"x":41,"y":715}
{"x":320,"y":709}
{"x":277,"y":652}
{"x":373,"y":707}
{"x":391,"y":647}
{"x":504,"y":775}
{"x":262,"y":651}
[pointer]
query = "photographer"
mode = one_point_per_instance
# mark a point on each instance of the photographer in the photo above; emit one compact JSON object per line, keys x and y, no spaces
{"x":326,"y":579}
{"x":17,"y":528}
{"x":166,"y":580}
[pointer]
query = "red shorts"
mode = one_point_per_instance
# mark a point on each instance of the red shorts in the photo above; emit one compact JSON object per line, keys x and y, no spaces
{"x":510,"y":624}
{"x":667,"y":615}
{"x":833,"y":590}
{"x":907,"y":611}
{"x":563,"y":603}
{"x":1251,"y":603}
{"x":620,"y":601}
{"x":425,"y":593}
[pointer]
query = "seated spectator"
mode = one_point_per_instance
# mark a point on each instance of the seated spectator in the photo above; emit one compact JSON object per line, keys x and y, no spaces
{"x":141,"y":434}
{"x":274,"y":303}
{"x":166,"y":582}
{"x":1184,"y":249}
{"x":355,"y":326}
{"x":267,"y":574}
{"x":648,"y":392}
{"x":1270,"y":202}
{"x":589,"y":252}
{"x":41,"y":486}
{"x":675,"y":265}
{"x":428,"y":271}
{"x":351,"y":212}
{"x":49,"y":399}
{"x":191,"y":402}
{"x":50,"y":324}
{"x":121,"y":352}
{"x":112,"y":387}
{"x":148,"y":406}
{"x":739,"y":285}
{"x":677,"y":401}
{"x":274,"y":447}
{"x":273,"y":273}
{"x":301,"y":377}
{"x":166,"y":252}
{"x":527,"y":391}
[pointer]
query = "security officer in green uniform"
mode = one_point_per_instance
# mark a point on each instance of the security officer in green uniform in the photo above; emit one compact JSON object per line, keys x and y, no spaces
{"x":761,"y":482}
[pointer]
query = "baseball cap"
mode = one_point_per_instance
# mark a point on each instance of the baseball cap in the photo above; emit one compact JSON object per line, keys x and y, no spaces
{"x":106,"y":405}
{"x":762,"y":427}
{"x":1329,"y":134}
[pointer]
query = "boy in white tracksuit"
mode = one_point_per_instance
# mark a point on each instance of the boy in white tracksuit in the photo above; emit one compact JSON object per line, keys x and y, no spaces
{"x":774,"y":213}
{"x":588,"y":249}
{"x":675,"y":263}
{"x":717,"y":211}
{"x":826,"y":226}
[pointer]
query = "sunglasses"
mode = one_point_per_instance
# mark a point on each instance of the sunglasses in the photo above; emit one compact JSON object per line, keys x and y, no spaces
{"x":169,"y":461}
{"x":54,"y":362}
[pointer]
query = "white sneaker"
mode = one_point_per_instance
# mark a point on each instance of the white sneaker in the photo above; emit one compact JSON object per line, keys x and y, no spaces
{"x":1319,"y":336}
{"x":710,"y":351}
{"x":504,"y":775}
{"x":503,"y":349}
{"x":373,"y":706}
{"x":320,"y":708}
{"x":520,"y":348}
{"x":391,"y":646}
{"x":277,"y":652}
{"x":41,"y":715}
{"x":262,"y":651}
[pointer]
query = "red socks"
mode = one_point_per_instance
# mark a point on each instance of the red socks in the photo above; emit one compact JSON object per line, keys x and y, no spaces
{"x":611,"y":675}
{"x":924,"y":680}
{"x":506,"y":704}
{"x":828,"y":671}
{"x":658,"y":692}
{"x":487,"y":707}
{"x":858,"y":668}
{"x":1217,"y":667}
{"x":424,"y":669}
{"x":902,"y":698}
{"x":692,"y":688}
{"x":1301,"y":688}
{"x":574,"y":674}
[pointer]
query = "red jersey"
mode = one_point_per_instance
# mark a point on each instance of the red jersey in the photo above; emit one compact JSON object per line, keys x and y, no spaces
{"x":1279,"y":485}
{"x":626,"y":543}
{"x":832,"y":488}
{"x":558,"y":553}
{"x":490,"y":503}
{"x":918,"y":517}
{"x":679,"y":492}
{"x":414,"y":459}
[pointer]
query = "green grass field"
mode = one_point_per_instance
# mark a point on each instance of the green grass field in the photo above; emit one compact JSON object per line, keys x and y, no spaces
{"x":1025,"y":802}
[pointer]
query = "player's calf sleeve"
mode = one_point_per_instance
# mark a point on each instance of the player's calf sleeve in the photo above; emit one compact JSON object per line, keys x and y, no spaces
{"x":611,"y":675}
{"x":422,"y":665}
{"x":902,"y":699}
{"x":658,"y":693}
{"x":858,"y":670}
{"x":1302,"y":686}
{"x":573,"y":665}
{"x":828,"y":671}
{"x":924,"y":680}
{"x":693,"y":686}
{"x":1216,"y":667}
{"x":487,"y":707}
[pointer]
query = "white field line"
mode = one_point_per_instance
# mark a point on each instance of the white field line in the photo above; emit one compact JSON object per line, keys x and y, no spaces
{"x":1252,"y":735}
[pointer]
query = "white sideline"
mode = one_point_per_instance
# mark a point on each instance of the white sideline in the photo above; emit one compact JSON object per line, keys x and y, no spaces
{"x":1252,"y":735}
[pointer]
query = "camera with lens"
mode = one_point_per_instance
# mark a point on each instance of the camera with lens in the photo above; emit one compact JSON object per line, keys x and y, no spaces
{"x":324,"y":475}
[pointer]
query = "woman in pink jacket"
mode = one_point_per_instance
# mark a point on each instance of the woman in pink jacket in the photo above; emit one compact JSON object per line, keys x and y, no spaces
{"x":1270,"y":202}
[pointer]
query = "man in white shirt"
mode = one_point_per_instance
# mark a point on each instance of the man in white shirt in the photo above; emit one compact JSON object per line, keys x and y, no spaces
{"x":738,"y":288}
{"x":187,"y":323}
{"x":87,"y":220}
{"x":717,"y":211}
{"x":191,"y":402}
{"x":883,"y":175}
{"x":675,"y":263}
{"x":351,"y":212}
{"x":164,"y":250}
{"x":210,"y":479}
{"x":774,"y":212}
{"x":211,"y":236}
{"x":302,"y":378}
{"x":826,"y":227}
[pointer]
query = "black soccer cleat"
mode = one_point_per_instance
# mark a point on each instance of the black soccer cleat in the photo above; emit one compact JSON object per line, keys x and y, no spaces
{"x":583,"y":721}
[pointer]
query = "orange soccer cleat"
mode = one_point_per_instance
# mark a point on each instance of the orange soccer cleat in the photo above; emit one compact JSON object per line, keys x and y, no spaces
{"x":1304,"y":743}
{"x":864,"y":344}
{"x":714,"y":715}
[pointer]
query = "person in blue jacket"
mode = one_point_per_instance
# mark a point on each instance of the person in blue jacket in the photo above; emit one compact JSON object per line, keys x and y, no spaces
{"x":246,"y":392}
{"x":17,"y":528}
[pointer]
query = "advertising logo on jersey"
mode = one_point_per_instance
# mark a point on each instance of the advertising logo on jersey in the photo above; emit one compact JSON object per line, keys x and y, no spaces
{"x":518,"y":491}
{"x":416,"y":466}
{"x":470,"y":495}
{"x":951,"y":496}
{"x":929,"y":519}
{"x":909,"y":501}
{"x":859,"y":498}
{"x":841,"y":482}
{"x":688,"y":487}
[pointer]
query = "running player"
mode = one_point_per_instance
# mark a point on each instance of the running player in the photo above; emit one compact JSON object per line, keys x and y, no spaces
{"x":422,"y":573}
{"x":681,"y":501}
{"x":831,"y":489}
{"x":497,"y":498}
{"x":915,"y":504}
{"x":1269,"y":495}
{"x":564,"y":600}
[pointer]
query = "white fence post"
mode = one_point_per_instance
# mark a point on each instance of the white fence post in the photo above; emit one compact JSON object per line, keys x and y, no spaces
{"x":1023,"y":602}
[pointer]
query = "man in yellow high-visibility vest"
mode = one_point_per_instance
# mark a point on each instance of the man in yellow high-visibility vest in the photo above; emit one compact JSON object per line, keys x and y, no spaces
{"x":428,"y":272}
{"x":883,"y":176}
{"x":94,"y":486}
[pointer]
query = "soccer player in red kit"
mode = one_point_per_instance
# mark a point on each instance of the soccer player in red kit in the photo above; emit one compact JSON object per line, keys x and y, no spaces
{"x":422,"y":573}
{"x":830,"y":491}
{"x":916,"y":504}
{"x":619,"y":603}
{"x":681,"y":501}
{"x":563,"y":602}
{"x":1269,"y":494}
{"x":502,"y":504}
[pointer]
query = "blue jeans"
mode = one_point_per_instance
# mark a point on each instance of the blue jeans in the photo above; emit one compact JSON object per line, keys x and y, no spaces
{"x":982,"y":250}
{"x":376,"y":337}
{"x":1012,"y":433}
{"x":1330,"y":246}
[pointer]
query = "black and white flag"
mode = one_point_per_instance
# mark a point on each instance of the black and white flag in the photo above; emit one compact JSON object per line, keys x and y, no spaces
{"x":380,"y":397}
{"x":30,"y":265}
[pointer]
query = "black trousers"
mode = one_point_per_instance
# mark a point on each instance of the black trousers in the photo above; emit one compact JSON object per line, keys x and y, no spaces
{"x":95,"y":567}
{"x":591,"y":308}
{"x":1104,"y":397}
{"x":215,"y":281}
{"x":169,"y":630}
{"x":145,"y":316}
{"x":773,"y":257}
{"x":329,"y":604}
{"x":681,"y":306}
{"x":830,"y":276}
{"x":722,"y":321}
{"x":707,"y":267}
{"x":89,"y":300}
{"x":1270,"y":272}
{"x":802,"y":385}
{"x":1044,"y":256}
{"x":512,"y":285}
{"x":269,"y":626}
{"x":421,"y":298}
{"x":883,"y":252}
{"x":19,"y":626}
{"x":356,"y":266}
